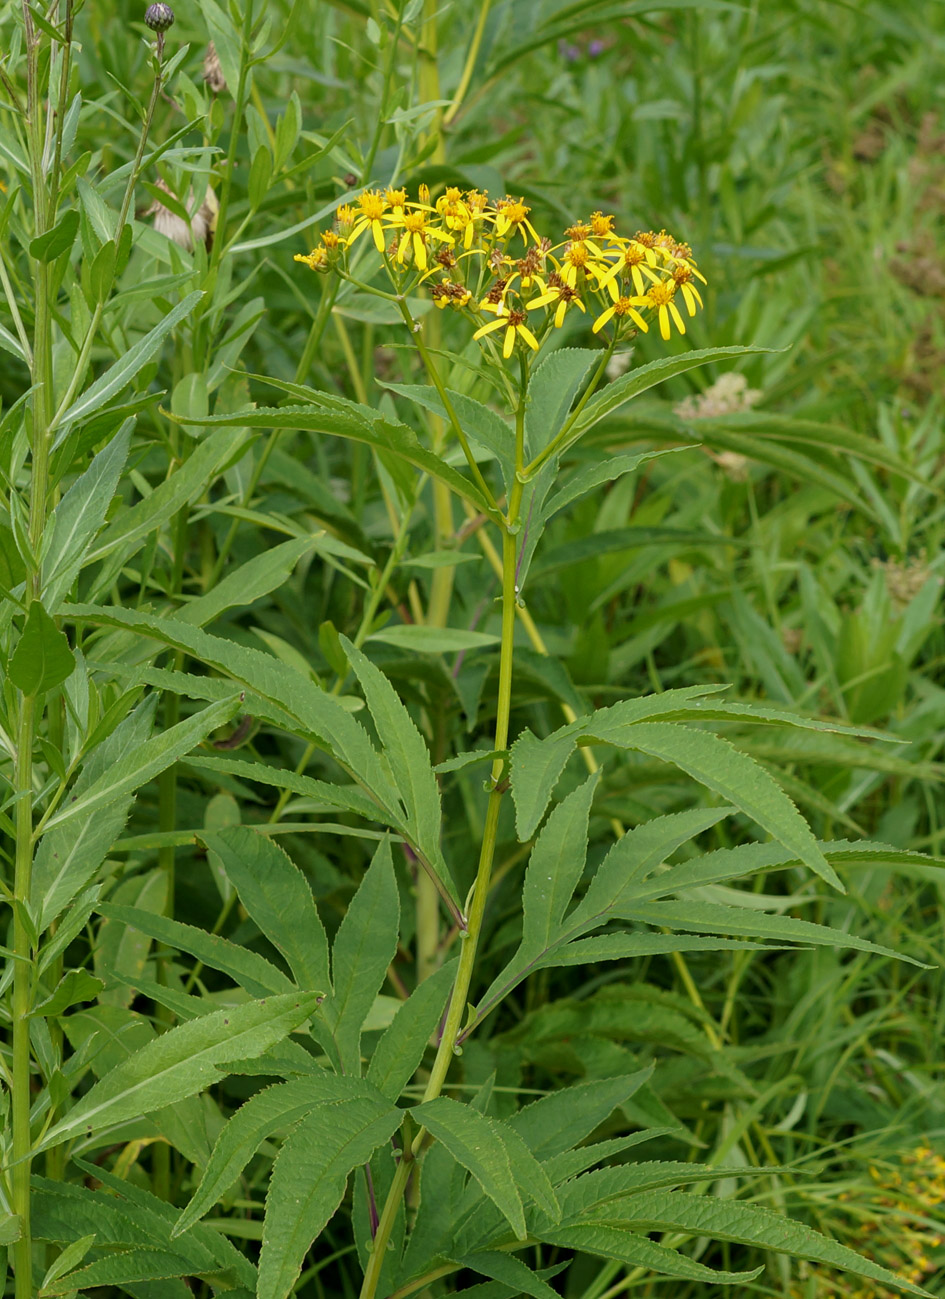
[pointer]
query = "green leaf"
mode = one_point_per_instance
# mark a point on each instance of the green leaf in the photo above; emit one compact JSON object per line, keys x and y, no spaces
{"x":395,"y":439}
{"x":130,"y":528}
{"x":317,"y":713}
{"x":182,"y":1062}
{"x":154,"y":756}
{"x":125,"y":368}
{"x":599,"y":473}
{"x":347,"y":797}
{"x":251,"y":971}
{"x":750,"y":1224}
{"x":508,"y":1269}
{"x":143,"y":1263}
{"x":477,"y":421}
{"x":554,"y":868}
{"x":308,"y":1181}
{"x":363,"y":949}
{"x":609,"y":1241}
{"x":560,"y":1120}
{"x":80,"y":514}
{"x":473,"y":1141}
{"x":248,"y":583}
{"x":400,"y":1050}
{"x":551,"y":391}
{"x":433,"y":640}
{"x":409,"y":759}
{"x":719,"y":766}
{"x":278,"y":898}
{"x":631,"y":384}
{"x":48,"y":246}
{"x":535,"y":766}
{"x":74,"y":986}
{"x":42,"y":658}
{"x":11,"y":1228}
{"x":713,"y":917}
{"x":275,"y":1109}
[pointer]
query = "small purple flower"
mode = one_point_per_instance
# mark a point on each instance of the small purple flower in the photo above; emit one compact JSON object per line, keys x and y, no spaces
{"x":570,"y":53}
{"x":595,"y":49}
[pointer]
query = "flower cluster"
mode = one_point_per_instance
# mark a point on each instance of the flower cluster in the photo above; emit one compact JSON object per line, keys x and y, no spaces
{"x":890,"y":1226}
{"x":486,"y":260}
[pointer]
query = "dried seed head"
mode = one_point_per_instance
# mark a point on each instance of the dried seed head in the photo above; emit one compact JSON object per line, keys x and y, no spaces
{"x":212,"y":71}
{"x":159,"y":17}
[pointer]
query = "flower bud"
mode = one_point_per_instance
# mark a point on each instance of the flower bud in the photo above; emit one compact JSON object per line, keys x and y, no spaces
{"x":159,"y":17}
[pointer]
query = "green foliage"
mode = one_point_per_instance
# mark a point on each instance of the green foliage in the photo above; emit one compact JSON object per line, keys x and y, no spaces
{"x":385,"y":866}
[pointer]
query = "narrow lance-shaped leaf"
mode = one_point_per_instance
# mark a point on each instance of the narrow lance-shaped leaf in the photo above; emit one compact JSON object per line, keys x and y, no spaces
{"x":272,"y":1110}
{"x":400,"y":1050}
{"x":153,"y":757}
{"x":363,"y":949}
{"x":471,"y":1139}
{"x":278,"y":897}
{"x":182,"y":1062}
{"x":308,"y":1181}
{"x":409,"y":760}
{"x":126,"y":367}
{"x":554,"y":868}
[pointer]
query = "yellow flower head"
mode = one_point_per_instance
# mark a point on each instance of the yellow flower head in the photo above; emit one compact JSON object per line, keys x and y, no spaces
{"x":562,"y":294}
{"x":331,"y":240}
{"x":601,"y":226}
{"x":515,"y":327}
{"x":622,"y":307}
{"x":345,"y":217}
{"x":316,"y":260}
{"x":512,"y":214}
{"x":396,"y":198}
{"x":660,"y":297}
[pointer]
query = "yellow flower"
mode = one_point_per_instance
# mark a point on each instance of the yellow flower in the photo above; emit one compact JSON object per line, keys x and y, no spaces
{"x":316,"y":260}
{"x":373,"y":206}
{"x":579,"y":256}
{"x":450,"y":294}
{"x":602,"y":226}
{"x":512,"y":214}
{"x":682,"y":278}
{"x":416,"y":232}
{"x":623,"y":307}
{"x":331,"y":240}
{"x":513,"y":324}
{"x":660,"y":297}
{"x":563,"y":294}
{"x":636,"y":260}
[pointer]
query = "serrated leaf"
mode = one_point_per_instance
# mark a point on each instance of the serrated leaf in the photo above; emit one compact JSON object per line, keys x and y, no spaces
{"x":308,"y":1181}
{"x":433,"y":640}
{"x":409,"y":759}
{"x":476,"y":420}
{"x":599,"y":473}
{"x":551,"y":391}
{"x":143,"y":1263}
{"x":471,"y":1138}
{"x":719,"y":766}
{"x":278,"y":898}
{"x":535,"y":766}
{"x":42,"y":658}
{"x":363,"y":949}
{"x":347,"y":797}
{"x":511,"y":1271}
{"x":560,"y":1120}
{"x":270,"y":1111}
{"x":750,"y":1224}
{"x":709,"y":917}
{"x":384,"y":435}
{"x":631,"y":384}
{"x":258,"y":976}
{"x":74,"y":986}
{"x":182,"y":1062}
{"x":555,"y":865}
{"x":400,"y":1050}
{"x":154,"y":756}
{"x":609,"y":1241}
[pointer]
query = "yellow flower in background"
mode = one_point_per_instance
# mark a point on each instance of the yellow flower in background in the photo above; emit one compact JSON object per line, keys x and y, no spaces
{"x":316,"y":260}
{"x":514,"y":326}
{"x":624,"y":307}
{"x":682,"y":278}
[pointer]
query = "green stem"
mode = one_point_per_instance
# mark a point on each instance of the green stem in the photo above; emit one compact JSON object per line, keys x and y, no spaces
{"x":471,"y":55}
{"x":22,"y":991}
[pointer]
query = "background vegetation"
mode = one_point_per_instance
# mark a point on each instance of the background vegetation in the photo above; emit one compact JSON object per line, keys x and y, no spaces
{"x":795,"y":553}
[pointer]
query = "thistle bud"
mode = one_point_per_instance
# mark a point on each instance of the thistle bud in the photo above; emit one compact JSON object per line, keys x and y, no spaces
{"x":159,"y":17}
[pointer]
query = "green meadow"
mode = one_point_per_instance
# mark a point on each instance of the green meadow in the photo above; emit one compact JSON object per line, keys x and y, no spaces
{"x":472,"y":710}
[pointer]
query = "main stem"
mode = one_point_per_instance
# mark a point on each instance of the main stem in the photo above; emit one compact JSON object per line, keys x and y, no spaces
{"x":470,"y":940}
